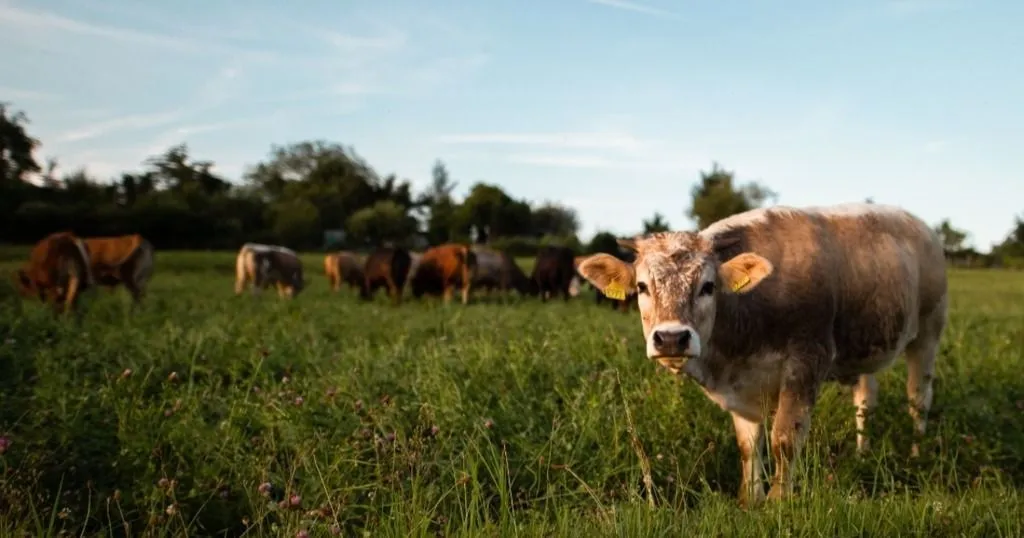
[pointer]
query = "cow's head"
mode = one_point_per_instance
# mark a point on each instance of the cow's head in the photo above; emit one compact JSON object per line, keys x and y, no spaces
{"x":26,"y":287}
{"x":678,"y":278}
{"x":296,"y":283}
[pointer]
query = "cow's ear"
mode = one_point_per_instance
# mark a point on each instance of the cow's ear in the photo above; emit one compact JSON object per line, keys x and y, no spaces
{"x":610,"y":275}
{"x":744,"y":272}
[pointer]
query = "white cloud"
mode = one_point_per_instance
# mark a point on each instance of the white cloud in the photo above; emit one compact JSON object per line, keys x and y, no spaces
{"x":635,"y":6}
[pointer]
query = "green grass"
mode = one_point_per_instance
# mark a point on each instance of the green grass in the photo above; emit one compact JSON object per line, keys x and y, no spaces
{"x":487,"y":420}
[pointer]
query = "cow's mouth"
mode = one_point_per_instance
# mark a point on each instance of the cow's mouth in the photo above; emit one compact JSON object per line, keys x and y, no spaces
{"x":673,"y":364}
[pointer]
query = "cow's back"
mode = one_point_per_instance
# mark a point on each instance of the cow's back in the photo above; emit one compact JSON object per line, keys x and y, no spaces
{"x":865,"y":274}
{"x":388,"y":263}
{"x":444,"y":264}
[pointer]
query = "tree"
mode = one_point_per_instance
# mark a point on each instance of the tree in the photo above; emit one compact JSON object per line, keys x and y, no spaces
{"x":603,"y":242}
{"x":952,"y":238}
{"x":383,"y":222}
{"x":488,"y":212}
{"x":656,"y":224}
{"x":554,"y":219}
{"x":438,"y":207}
{"x":1013,"y":245}
{"x":16,"y":147}
{"x":174,"y":170}
{"x":716,"y":197}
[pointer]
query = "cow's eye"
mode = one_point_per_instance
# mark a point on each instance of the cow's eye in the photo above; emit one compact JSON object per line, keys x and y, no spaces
{"x":707,"y":289}
{"x":641,"y":287}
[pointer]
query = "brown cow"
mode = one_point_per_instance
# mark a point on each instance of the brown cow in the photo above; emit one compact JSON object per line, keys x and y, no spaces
{"x":125,"y":259}
{"x":57,"y":271}
{"x":263,"y":265}
{"x":386,"y":267}
{"x":763,"y":307}
{"x":442,"y":269}
{"x":344,"y":267}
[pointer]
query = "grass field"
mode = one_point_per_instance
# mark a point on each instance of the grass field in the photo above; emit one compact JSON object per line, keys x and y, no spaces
{"x":205,"y":414}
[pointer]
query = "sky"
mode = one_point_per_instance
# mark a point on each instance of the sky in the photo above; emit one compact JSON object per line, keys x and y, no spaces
{"x":612,"y":107}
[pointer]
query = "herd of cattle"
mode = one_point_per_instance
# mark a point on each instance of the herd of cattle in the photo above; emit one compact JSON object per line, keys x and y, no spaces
{"x":61,"y":266}
{"x":439,"y":271}
{"x":759,"y":309}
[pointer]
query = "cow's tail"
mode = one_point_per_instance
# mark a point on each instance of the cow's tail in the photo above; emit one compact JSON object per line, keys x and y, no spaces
{"x":83,"y":264}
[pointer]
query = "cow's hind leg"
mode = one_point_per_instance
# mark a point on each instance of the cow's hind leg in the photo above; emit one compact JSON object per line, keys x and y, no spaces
{"x":921,"y":354}
{"x":865,"y":397}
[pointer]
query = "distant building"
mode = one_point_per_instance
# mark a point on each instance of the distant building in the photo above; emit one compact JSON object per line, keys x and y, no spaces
{"x":334,"y":238}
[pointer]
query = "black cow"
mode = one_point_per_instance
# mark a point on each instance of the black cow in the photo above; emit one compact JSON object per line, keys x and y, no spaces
{"x":554,"y":272}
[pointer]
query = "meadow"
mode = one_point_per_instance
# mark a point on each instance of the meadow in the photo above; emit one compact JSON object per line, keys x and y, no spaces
{"x":206,"y":414}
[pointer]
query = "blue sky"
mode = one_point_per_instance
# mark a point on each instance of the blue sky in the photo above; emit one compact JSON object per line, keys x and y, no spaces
{"x":610,"y":106}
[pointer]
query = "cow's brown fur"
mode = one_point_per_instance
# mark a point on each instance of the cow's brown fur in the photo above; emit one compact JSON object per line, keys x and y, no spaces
{"x":389,"y":268}
{"x":125,"y":259}
{"x":57,"y":271}
{"x":826,"y":294}
{"x":444,"y":268}
{"x":344,"y":267}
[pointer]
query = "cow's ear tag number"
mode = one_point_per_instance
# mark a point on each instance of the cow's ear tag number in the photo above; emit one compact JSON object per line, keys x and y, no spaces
{"x":615,"y":291}
{"x":740,"y":283}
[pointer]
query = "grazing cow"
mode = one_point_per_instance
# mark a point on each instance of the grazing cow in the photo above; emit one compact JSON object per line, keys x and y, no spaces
{"x":497,"y":270}
{"x":263,"y":265}
{"x":442,"y":269}
{"x":345,"y":267}
{"x":123,"y":259}
{"x":57,"y":271}
{"x":386,"y":267}
{"x":763,"y":307}
{"x":554,"y":271}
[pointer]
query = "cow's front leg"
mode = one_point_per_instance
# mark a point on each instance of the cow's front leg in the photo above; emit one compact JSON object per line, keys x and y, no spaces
{"x":749,"y":436}
{"x":791,"y":424}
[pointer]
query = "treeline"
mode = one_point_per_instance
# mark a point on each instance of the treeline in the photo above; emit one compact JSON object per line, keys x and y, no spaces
{"x":318,"y":195}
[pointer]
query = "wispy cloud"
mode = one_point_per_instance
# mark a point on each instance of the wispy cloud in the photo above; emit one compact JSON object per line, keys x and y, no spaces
{"x":579,"y":140}
{"x":637,"y":7}
{"x":20,"y":94}
{"x":917,"y":7}
{"x":117,"y":124}
{"x":38,"y":22}
{"x":655,"y":163}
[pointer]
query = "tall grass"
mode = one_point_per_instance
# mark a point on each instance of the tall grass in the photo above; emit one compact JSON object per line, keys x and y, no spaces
{"x":206,"y":414}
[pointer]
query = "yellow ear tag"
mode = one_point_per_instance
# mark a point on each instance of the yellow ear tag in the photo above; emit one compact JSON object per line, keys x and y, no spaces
{"x":737,"y":286}
{"x":615,"y":291}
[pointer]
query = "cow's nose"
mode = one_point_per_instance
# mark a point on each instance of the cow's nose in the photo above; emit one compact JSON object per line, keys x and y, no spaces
{"x":671,"y":341}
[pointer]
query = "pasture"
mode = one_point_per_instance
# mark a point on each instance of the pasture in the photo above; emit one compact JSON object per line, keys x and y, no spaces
{"x":206,"y":414}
